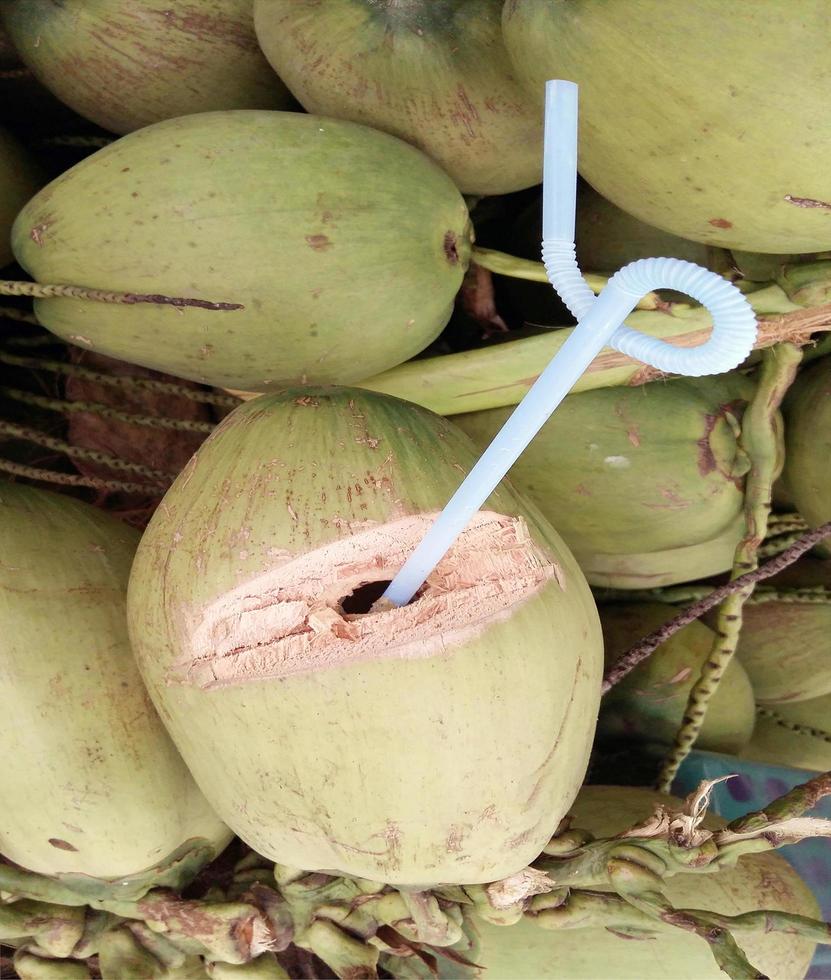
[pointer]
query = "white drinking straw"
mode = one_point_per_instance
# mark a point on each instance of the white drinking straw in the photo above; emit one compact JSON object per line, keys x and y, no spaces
{"x":600,"y":325}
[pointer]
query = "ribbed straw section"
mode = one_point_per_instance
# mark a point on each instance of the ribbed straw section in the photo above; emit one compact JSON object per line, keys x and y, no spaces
{"x":560,"y":261}
{"x":734,"y":323}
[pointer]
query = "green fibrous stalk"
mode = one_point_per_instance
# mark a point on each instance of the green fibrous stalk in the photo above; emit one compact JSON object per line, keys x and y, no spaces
{"x":124,"y":64}
{"x":648,"y":704}
{"x":645,"y":484}
{"x":440,"y":742}
{"x":583,"y":933}
{"x":278,"y":217}
{"x":433,"y":73}
{"x":96,"y":797}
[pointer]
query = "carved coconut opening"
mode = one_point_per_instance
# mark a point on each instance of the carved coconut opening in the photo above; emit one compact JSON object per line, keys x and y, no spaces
{"x":319,"y":610}
{"x":360,"y":601}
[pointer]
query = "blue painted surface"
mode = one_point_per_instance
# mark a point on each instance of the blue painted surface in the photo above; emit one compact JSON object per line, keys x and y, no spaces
{"x":755,"y":785}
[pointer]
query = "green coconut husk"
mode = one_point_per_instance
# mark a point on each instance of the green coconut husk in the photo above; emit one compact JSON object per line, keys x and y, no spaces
{"x":807,"y":472}
{"x":648,"y":704}
{"x":796,"y":734}
{"x":409,"y":749}
{"x":124,"y":64}
{"x":19,"y":179}
{"x":786,"y":636}
{"x":645,"y":484}
{"x":433,"y":72}
{"x":594,"y":936}
{"x":97,"y":801}
{"x":265,"y":226}
{"x":726,"y":78}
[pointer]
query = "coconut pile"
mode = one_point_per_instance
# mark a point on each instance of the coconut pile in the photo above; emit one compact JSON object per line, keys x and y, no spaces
{"x":271,"y":284}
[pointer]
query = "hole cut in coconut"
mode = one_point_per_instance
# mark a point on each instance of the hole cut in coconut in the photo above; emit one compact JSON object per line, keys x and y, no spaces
{"x":322,"y":609}
{"x":361,"y":600}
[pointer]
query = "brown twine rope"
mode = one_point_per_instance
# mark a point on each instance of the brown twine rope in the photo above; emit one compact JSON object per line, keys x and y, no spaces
{"x":649,"y":644}
{"x":57,"y":405}
{"x":95,"y":142}
{"x":15,"y":431}
{"x":792,"y":726}
{"x":37,"y":290}
{"x":71,"y":480}
{"x":120,"y":381}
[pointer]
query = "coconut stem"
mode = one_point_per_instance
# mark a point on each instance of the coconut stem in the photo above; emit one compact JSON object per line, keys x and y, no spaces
{"x":764,"y":921}
{"x":726,"y":951}
{"x":37,"y":290}
{"x":786,"y":807}
{"x":760,"y":437}
{"x":510,"y":265}
{"x":500,"y":376}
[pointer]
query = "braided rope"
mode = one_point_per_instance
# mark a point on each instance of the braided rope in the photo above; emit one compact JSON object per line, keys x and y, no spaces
{"x":792,"y":726}
{"x":79,"y":452}
{"x":57,"y":405}
{"x":71,"y":480}
{"x":120,"y":381}
{"x":95,"y":142}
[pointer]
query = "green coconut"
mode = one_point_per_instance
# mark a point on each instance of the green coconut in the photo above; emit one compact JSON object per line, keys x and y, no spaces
{"x":795,"y":733}
{"x":649,"y":704}
{"x":18,"y":182}
{"x":534,"y":949}
{"x":807,"y":472}
{"x":434,"y":72}
{"x":344,"y":246}
{"x":785,"y":642}
{"x":93,"y":788}
{"x":439,"y":742}
{"x":124,"y":64}
{"x":646,"y":484}
{"x":688,"y":114}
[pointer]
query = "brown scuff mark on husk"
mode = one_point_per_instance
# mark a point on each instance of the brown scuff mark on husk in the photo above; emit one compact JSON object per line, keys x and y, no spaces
{"x":289,"y":620}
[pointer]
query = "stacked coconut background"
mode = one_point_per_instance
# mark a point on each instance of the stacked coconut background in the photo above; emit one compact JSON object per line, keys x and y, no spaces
{"x":271,"y":284}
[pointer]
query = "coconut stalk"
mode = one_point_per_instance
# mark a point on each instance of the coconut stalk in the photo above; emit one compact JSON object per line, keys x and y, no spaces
{"x":355,"y":925}
{"x":500,"y":376}
{"x":760,"y":439}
